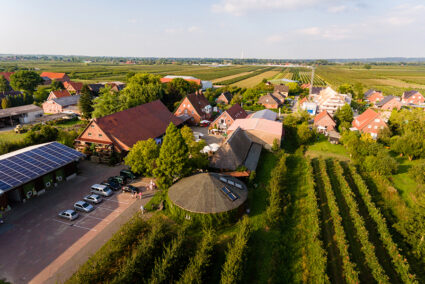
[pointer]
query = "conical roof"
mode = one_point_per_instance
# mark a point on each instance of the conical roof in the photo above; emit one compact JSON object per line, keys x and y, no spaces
{"x":202,"y":193}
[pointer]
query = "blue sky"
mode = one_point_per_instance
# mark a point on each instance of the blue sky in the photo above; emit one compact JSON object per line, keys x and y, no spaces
{"x":291,"y":29}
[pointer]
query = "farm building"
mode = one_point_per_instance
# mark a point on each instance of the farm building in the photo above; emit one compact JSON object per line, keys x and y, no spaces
{"x":324,"y":122}
{"x":194,"y":108}
{"x":32,"y":171}
{"x":369,"y":122}
{"x":58,"y":94}
{"x":224,"y":120}
{"x":237,"y":150}
{"x":73,"y":87}
{"x":208,"y":193}
{"x":19,"y":115}
{"x":259,"y":130}
{"x":373,"y":96}
{"x":225,"y":98}
{"x":389,"y":103}
{"x":281,"y":89}
{"x":412,"y":97}
{"x":52,"y":76}
{"x":59,"y":105}
{"x":270,"y":101}
{"x":118,"y":132}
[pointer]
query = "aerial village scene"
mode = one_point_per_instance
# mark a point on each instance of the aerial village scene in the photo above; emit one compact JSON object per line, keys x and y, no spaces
{"x":207,"y":150}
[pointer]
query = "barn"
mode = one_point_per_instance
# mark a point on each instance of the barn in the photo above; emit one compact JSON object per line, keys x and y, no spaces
{"x":33,"y":170}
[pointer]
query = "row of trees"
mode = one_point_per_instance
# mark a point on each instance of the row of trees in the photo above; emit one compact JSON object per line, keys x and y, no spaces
{"x":16,"y":100}
{"x":178,"y":156}
{"x":276,"y":188}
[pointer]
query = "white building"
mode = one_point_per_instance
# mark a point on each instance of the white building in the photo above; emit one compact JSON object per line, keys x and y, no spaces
{"x":20,"y":115}
{"x":330,"y":100}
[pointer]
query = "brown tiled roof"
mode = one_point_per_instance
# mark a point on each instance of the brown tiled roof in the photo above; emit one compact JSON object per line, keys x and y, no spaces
{"x":198,"y":101}
{"x":138,"y":123}
{"x":236,"y":112}
{"x":268,"y":99}
{"x":61,"y":93}
{"x":317,"y":90}
{"x":322,"y":115}
{"x":77,"y":86}
{"x":281,"y":88}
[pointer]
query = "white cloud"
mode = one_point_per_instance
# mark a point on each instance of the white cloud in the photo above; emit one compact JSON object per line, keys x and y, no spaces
{"x":274,"y":39}
{"x":240,"y":7}
{"x":337,"y":9}
{"x":193,"y":29}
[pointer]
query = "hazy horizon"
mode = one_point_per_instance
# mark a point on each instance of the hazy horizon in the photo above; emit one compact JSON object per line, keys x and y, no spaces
{"x":277,"y":29}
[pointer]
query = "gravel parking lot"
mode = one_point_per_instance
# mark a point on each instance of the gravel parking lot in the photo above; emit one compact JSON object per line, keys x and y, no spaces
{"x":209,"y":138}
{"x":39,"y":247}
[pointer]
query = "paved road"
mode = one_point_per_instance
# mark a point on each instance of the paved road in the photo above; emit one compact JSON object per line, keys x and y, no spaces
{"x":36,"y":246}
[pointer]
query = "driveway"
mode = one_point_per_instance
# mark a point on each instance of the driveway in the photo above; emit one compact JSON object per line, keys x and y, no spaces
{"x":38,"y":247}
{"x":209,"y":138}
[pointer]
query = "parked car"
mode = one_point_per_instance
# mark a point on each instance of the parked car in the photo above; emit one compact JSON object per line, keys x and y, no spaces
{"x":93,"y":198}
{"x":130,"y":188}
{"x":83,"y":206}
{"x":101,"y":189}
{"x":119,"y":179}
{"x":112,"y":185}
{"x":128,"y":174}
{"x":205,"y":123}
{"x":68,"y":214}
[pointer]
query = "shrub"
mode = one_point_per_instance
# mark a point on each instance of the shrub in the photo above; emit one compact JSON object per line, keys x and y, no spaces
{"x":417,"y":172}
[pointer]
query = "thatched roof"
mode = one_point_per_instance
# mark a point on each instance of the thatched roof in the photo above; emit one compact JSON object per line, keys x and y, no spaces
{"x":201,"y":193}
{"x":233,"y":152}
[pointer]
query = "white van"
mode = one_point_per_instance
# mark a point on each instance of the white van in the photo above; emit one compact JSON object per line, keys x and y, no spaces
{"x":101,"y":190}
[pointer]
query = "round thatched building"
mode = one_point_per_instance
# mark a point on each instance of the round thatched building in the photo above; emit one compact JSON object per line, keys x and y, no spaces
{"x":208,"y":193}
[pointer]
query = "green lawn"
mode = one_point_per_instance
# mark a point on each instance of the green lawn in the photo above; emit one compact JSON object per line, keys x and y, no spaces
{"x":402,"y":180}
{"x":11,"y":136}
{"x":324,"y":148}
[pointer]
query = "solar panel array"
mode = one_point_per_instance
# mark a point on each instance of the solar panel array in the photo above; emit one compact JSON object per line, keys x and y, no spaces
{"x":232,"y":183}
{"x":26,"y":166}
{"x":230,"y":194}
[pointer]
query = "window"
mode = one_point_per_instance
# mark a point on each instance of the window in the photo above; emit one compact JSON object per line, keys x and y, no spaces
{"x":92,"y":126}
{"x":369,"y":126}
{"x":89,"y":134}
{"x":193,"y":112}
{"x":100,"y":135}
{"x":184,"y":105}
{"x":376,"y":127}
{"x":377,"y":120}
{"x":185,"y":111}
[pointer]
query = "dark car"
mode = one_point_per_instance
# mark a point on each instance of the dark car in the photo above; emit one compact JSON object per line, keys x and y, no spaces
{"x":114,"y":185}
{"x":130,"y":188}
{"x":121,"y":180}
{"x":128,"y":174}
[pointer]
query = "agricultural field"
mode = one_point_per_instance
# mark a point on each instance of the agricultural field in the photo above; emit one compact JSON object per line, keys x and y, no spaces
{"x":394,"y":79}
{"x":255,"y":80}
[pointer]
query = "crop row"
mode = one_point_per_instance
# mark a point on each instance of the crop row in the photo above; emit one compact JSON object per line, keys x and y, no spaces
{"x":400,"y":264}
{"x":351,"y":274}
{"x":276,"y":191}
{"x":243,"y":77}
{"x":232,"y":271}
{"x":367,"y":247}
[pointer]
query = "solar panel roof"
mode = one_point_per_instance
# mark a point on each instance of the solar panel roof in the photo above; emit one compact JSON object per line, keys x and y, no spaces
{"x":22,"y":166}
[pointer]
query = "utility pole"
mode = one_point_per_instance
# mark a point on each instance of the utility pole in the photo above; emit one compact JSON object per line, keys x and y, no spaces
{"x":312,"y":80}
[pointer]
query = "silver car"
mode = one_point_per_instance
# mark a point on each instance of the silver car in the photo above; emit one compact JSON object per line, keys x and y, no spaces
{"x":83,"y":206}
{"x":93,"y":198}
{"x":68,"y":214}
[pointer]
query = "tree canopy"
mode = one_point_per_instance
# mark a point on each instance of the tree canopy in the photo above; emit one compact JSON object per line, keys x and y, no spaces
{"x":86,"y":102}
{"x":25,"y":80}
{"x":142,"y":157}
{"x":4,"y":84}
{"x":106,"y":103}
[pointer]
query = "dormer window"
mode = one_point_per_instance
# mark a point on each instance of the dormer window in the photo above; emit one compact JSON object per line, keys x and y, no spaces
{"x":369,"y":126}
{"x":377,"y":120}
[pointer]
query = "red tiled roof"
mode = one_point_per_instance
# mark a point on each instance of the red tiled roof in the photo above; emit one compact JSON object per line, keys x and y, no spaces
{"x":77,"y":86}
{"x":53,"y":75}
{"x":303,"y":100}
{"x":236,"y":112}
{"x":198,"y":101}
{"x":138,"y":123}
{"x":61,"y":93}
{"x":321,"y":115}
{"x":364,"y":119}
{"x":6,"y":75}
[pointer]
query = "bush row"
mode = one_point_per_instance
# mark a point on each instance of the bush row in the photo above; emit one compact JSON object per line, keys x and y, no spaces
{"x":232,"y":270}
{"x":400,"y":264}
{"x":167,"y":268}
{"x":367,"y":247}
{"x":406,"y":220}
{"x":105,"y":262}
{"x":276,"y":191}
{"x":316,"y":260}
{"x":351,"y":274}
{"x":138,"y":265}
{"x":198,"y":265}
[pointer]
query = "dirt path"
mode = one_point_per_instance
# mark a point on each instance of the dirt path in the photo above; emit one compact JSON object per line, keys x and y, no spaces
{"x":334,"y":264}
